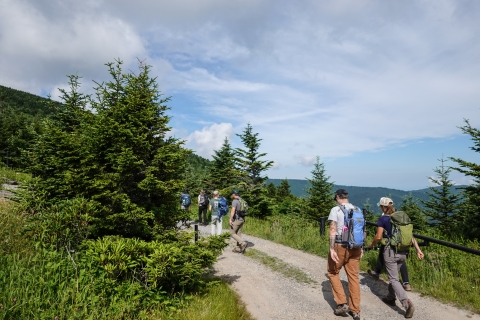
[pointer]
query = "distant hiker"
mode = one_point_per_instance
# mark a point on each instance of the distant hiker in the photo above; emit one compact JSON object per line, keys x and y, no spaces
{"x":237,"y":219}
{"x":395,"y":251}
{"x":342,"y":256}
{"x":217,"y":207}
{"x":381,"y":262}
{"x":202,"y":207}
{"x":185,"y":200}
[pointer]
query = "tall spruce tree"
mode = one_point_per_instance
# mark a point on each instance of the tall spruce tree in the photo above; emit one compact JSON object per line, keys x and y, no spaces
{"x":469,"y":215}
{"x":118,"y":156}
{"x":253,"y":179}
{"x":283,"y":190}
{"x":442,"y":205}
{"x":224,"y":172}
{"x":320,"y":194}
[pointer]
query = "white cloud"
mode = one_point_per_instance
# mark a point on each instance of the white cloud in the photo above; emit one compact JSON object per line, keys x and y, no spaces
{"x":211,"y":138}
{"x":306,"y":160}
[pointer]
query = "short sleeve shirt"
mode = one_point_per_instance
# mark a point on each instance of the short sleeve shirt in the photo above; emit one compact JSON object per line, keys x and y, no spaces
{"x":337,"y":215}
{"x":236,"y":205}
{"x":214,"y":204}
{"x":386,"y":224}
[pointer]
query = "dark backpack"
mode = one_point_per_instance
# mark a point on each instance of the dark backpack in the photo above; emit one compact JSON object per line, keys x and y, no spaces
{"x":402,"y":232}
{"x":203,"y":200}
{"x":222,"y":207}
{"x":243,"y":208}
{"x":353,"y":234}
{"x":185,"y":199}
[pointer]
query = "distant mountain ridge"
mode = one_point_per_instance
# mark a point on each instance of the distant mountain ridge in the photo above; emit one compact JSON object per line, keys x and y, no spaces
{"x":359,"y":195}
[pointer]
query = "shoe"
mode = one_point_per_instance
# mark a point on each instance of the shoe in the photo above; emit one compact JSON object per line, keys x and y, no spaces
{"x":243,"y":246}
{"x":373,"y":273}
{"x":410,"y":309}
{"x":389,"y":301}
{"x":407,"y":287}
{"x":237,"y":250}
{"x":341,"y":310}
{"x":355,"y":315}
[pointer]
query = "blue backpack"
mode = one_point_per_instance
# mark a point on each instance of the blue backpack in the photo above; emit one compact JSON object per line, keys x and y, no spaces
{"x":185,"y":199}
{"x":222,"y":207}
{"x":353,"y":234}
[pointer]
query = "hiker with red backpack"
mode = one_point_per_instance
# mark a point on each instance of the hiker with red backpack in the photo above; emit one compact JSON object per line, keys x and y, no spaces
{"x":347,"y":237}
{"x":395,"y":230}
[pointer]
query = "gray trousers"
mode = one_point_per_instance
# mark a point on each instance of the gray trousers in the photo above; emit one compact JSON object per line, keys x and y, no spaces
{"x":236,"y":231}
{"x":393,"y":263}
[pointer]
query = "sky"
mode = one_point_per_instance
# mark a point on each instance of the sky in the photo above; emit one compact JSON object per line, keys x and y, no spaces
{"x":376,"y":89}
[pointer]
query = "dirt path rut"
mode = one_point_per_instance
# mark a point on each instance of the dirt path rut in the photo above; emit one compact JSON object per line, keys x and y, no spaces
{"x":269,"y":295}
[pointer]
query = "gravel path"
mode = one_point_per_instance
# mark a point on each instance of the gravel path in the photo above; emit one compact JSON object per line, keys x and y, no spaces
{"x":269,"y":295}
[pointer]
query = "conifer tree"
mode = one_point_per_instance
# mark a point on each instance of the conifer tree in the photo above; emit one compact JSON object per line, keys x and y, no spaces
{"x":442,"y":205}
{"x":118,"y":156}
{"x":410,"y":206}
{"x":469,"y":215}
{"x":253,"y":168}
{"x":320,"y":194}
{"x":283,"y":190}
{"x":224,"y":173}
{"x":271,"y":191}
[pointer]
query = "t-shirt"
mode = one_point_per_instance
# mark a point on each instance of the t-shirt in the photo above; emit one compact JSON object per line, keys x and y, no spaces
{"x":200,"y":198}
{"x":385,"y":223}
{"x":214,"y":204}
{"x":236,"y":205}
{"x":336,"y":214}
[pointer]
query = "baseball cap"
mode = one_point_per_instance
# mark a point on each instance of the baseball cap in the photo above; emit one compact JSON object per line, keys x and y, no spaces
{"x":384,"y":201}
{"x":235,"y":191}
{"x":340,"y":192}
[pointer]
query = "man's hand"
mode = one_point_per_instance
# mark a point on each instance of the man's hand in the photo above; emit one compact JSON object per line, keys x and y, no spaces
{"x":334,"y":255}
{"x":420,"y":254}
{"x":231,"y":223}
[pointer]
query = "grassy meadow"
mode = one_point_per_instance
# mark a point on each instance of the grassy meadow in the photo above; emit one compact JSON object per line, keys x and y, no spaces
{"x":447,"y":274}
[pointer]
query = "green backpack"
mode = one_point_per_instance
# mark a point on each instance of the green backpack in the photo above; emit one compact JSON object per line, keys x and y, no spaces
{"x":243,"y":208}
{"x":402,"y":232}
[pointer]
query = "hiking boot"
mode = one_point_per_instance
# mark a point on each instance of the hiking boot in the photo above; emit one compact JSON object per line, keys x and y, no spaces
{"x":389,"y":301}
{"x":341,"y":310}
{"x":243,"y":246}
{"x":410,"y":309}
{"x":373,"y":273}
{"x":237,"y":250}
{"x":407,"y":287}
{"x":355,"y":315}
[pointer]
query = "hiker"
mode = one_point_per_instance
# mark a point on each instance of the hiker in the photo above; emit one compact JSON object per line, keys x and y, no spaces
{"x":202,"y":208}
{"x":393,"y":257}
{"x":185,"y":200}
{"x":214,"y":208}
{"x":381,"y":263}
{"x":342,"y":256}
{"x":237,"y":219}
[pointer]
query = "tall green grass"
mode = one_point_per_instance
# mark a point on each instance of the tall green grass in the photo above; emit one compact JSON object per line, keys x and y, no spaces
{"x":447,"y":274}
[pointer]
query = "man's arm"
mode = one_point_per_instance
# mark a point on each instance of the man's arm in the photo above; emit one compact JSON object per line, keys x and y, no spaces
{"x":232,"y":214}
{"x":332,"y":235}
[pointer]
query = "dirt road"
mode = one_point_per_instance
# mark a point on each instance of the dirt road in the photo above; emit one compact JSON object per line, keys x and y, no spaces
{"x":269,"y":295}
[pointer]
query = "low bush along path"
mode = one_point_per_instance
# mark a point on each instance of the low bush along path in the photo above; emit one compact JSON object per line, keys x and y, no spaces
{"x":300,"y":289}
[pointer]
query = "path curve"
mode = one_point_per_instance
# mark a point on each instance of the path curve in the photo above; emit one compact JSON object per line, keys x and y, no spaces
{"x":269,"y":295}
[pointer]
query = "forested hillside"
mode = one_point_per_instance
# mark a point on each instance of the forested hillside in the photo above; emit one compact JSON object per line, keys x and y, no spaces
{"x":21,"y":113}
{"x":359,"y":195}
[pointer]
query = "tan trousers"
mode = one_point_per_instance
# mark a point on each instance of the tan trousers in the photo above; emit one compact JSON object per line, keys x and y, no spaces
{"x":349,"y":259}
{"x":236,"y":231}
